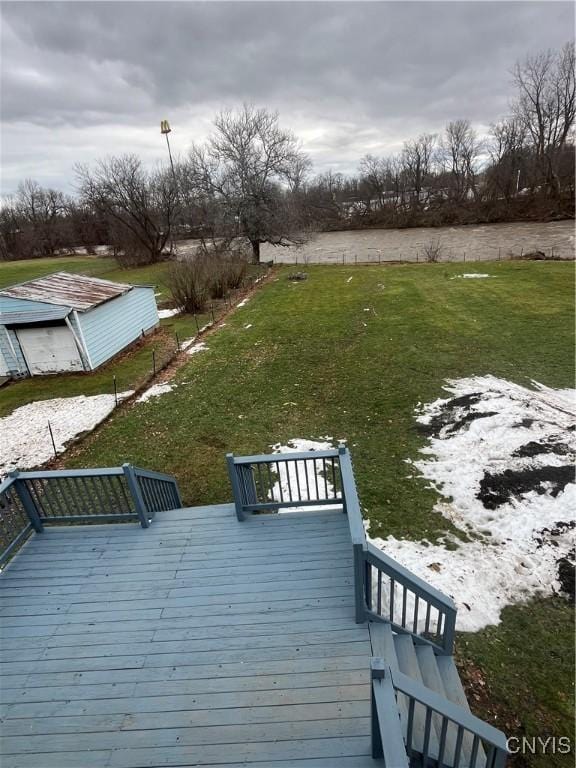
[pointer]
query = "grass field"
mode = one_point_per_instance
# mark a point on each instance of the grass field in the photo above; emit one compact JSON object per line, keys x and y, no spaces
{"x":349,"y":353}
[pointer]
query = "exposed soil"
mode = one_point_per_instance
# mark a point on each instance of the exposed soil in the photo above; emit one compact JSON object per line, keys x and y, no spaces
{"x":567,"y":574}
{"x":453,"y":415}
{"x":535,"y":448}
{"x":498,"y":489}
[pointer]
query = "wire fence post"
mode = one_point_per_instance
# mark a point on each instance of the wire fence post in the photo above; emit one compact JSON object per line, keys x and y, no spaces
{"x":115,"y":390}
{"x":52,"y":438}
{"x":196,"y":321}
{"x":212,"y":312}
{"x":154,"y":361}
{"x":177,"y":341}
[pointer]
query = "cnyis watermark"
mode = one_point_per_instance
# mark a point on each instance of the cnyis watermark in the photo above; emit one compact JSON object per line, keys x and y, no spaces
{"x":539,"y":745}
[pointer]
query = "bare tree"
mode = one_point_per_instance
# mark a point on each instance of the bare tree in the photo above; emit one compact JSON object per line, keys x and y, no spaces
{"x":546,"y":106}
{"x":139,"y":205}
{"x":250,"y":167}
{"x":461,"y":150}
{"x":417,"y":157}
{"x":510,"y":159}
{"x":373,"y":174}
{"x":33,"y":221}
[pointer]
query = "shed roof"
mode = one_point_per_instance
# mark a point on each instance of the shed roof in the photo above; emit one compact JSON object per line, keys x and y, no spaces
{"x":65,"y":289}
{"x":34,"y":316}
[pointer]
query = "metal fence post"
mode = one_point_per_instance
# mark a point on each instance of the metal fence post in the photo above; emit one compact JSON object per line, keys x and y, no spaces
{"x":136,"y":493}
{"x":27,"y":502}
{"x":232,"y":474}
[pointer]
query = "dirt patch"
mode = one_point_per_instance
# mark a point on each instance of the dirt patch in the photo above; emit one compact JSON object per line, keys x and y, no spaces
{"x":453,"y":415}
{"x":501,"y":488}
{"x":567,"y":574}
{"x":535,"y":448}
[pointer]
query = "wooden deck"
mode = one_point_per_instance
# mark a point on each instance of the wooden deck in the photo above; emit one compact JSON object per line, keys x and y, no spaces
{"x":198,"y":641}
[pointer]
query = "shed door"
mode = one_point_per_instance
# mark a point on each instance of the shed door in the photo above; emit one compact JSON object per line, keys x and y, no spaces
{"x":49,"y":350}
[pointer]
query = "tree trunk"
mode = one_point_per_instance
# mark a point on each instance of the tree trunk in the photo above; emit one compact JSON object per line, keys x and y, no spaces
{"x":255,"y":251}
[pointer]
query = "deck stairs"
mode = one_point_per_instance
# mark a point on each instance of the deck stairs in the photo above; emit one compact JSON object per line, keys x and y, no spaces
{"x":438,"y":673}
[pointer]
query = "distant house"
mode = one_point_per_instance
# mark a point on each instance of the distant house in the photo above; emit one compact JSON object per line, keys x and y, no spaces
{"x":63,"y":322}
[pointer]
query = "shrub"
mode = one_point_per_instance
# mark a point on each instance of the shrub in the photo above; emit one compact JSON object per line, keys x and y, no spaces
{"x":209,"y":275}
{"x":188,"y":283}
{"x":433,"y":251}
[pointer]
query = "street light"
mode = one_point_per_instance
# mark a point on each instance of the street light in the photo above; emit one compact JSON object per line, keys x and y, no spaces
{"x":165,"y":129}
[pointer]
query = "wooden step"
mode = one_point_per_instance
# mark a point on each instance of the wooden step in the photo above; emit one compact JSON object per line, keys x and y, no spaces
{"x":454,"y":691}
{"x":428,"y":662}
{"x":408,"y":664}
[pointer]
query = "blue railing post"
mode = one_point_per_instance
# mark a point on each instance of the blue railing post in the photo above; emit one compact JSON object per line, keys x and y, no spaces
{"x":341,"y":452}
{"x":233,"y":475}
{"x":136,"y":493}
{"x":449,"y":632}
{"x":27,"y":502}
{"x":359,"y":583}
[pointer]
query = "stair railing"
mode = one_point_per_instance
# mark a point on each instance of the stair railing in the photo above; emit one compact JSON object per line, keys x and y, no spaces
{"x":475,"y":743}
{"x":411,"y":605}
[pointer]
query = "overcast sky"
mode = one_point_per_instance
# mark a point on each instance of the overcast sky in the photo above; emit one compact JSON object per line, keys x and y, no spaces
{"x":81,"y":80}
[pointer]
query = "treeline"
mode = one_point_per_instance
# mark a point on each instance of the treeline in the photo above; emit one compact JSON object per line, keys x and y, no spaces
{"x":251,"y":180}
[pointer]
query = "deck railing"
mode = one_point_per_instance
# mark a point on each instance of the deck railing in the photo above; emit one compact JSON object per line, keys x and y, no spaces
{"x":31,"y":500}
{"x":285,"y":481}
{"x":452,"y":735}
{"x":384,"y":590}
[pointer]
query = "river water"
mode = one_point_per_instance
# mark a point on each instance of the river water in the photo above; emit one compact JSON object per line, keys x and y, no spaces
{"x":465,"y":243}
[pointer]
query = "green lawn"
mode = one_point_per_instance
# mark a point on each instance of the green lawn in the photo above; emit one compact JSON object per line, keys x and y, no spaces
{"x":351,"y":358}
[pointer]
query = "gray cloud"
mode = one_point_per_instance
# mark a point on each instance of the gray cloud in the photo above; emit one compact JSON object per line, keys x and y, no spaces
{"x":81,"y":80}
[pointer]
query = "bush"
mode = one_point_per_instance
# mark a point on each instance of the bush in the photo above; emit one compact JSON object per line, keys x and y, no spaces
{"x":433,"y":251}
{"x":188,"y":283}
{"x":208,"y":275}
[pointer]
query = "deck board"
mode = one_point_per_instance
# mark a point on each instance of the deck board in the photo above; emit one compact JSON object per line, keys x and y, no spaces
{"x":199,"y":641}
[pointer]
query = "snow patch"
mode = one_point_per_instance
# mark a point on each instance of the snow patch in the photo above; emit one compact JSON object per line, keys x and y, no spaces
{"x":25,"y":437}
{"x":248,"y":325}
{"x":312,"y":481}
{"x":155,"y":391}
{"x":164,"y":313}
{"x":349,"y":279}
{"x":199,"y":347}
{"x":503,"y":454}
{"x":469,"y":275}
{"x":243,"y":303}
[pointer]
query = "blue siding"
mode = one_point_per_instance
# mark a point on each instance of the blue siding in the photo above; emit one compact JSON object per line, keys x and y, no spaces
{"x":12,"y":365}
{"x":7,"y":304}
{"x":109,"y":328}
{"x":6,"y":362}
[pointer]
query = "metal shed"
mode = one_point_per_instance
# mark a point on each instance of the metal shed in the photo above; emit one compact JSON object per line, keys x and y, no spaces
{"x":64,"y":323}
